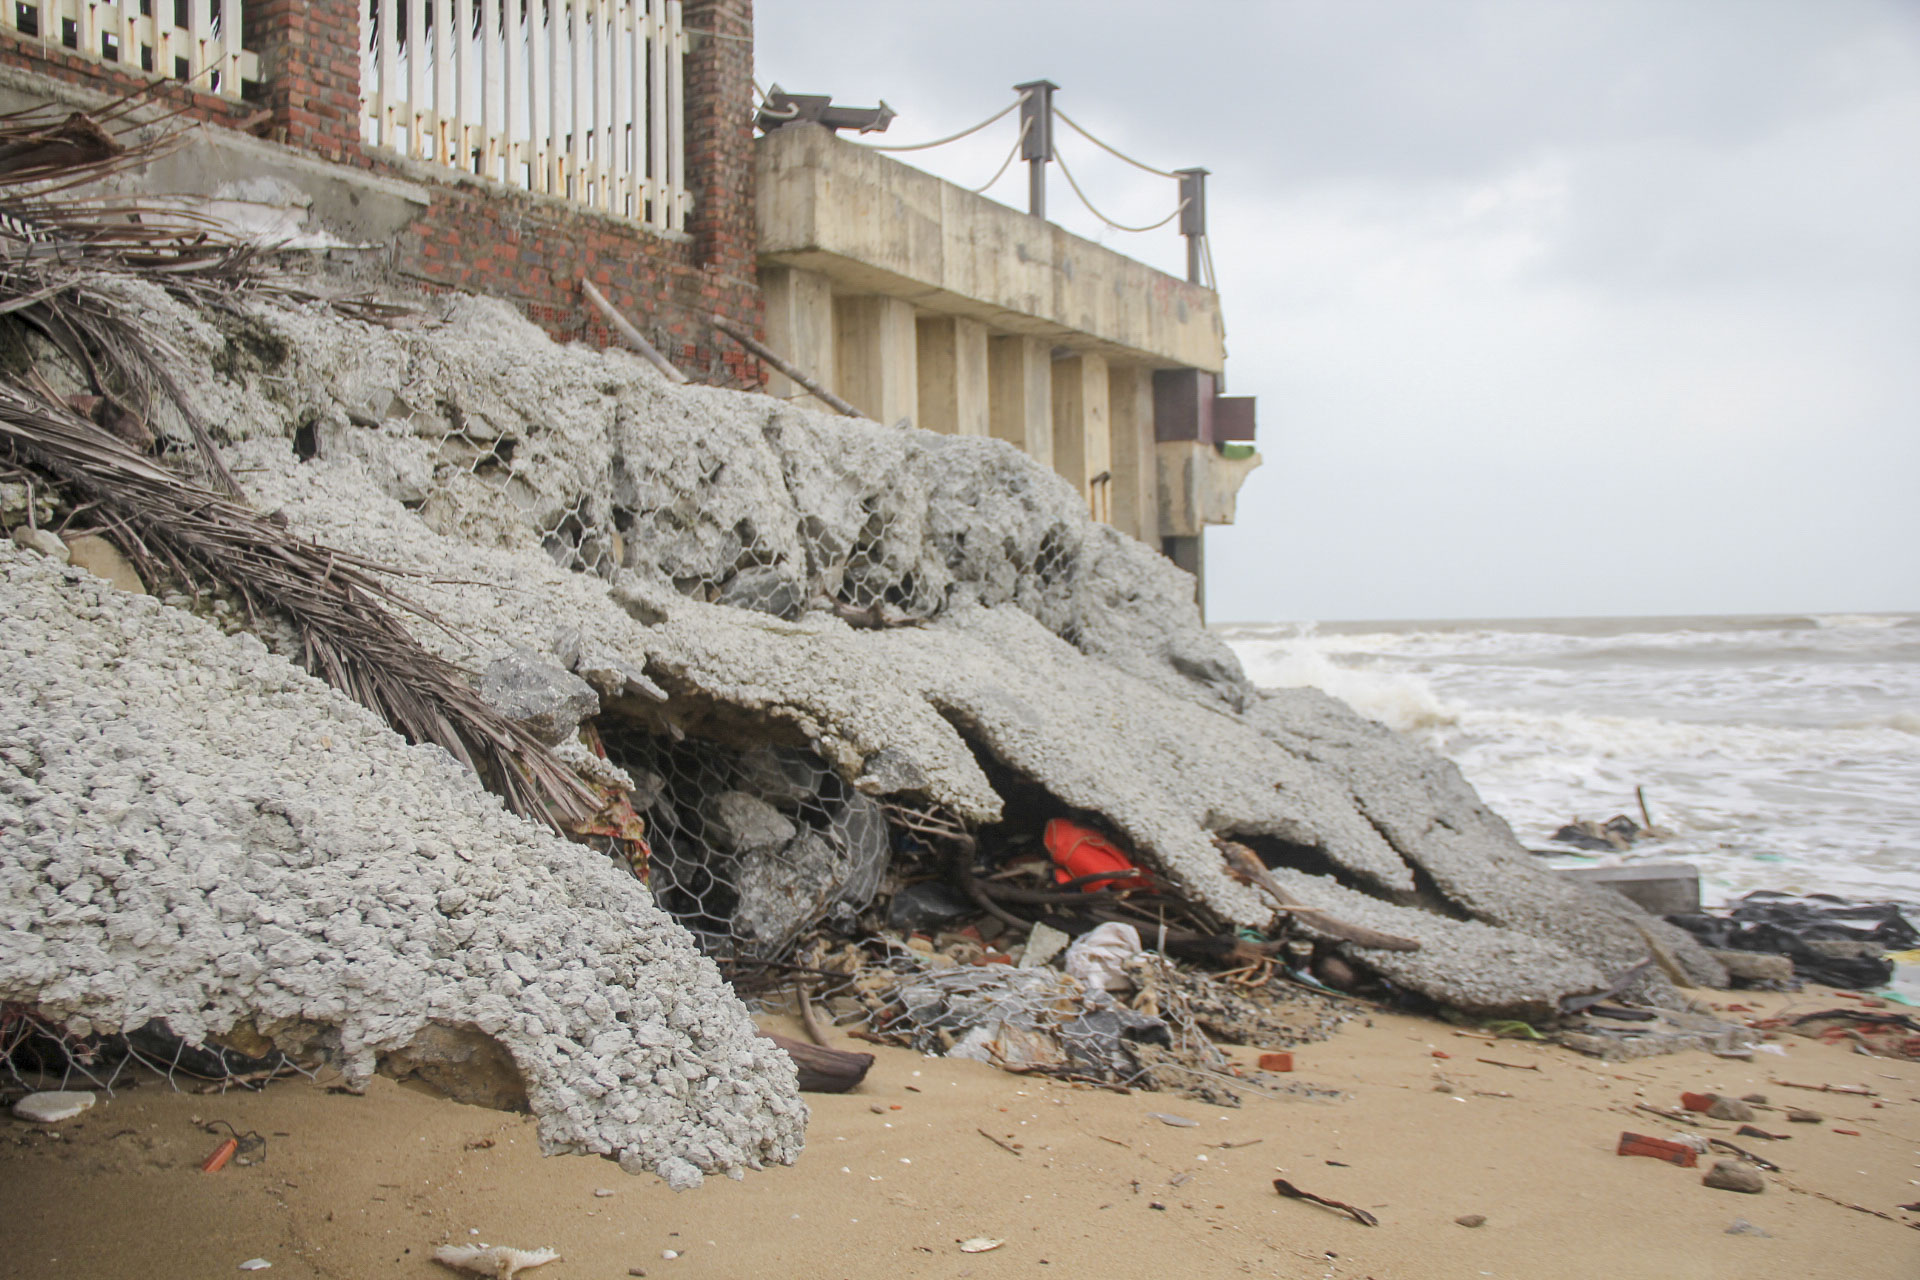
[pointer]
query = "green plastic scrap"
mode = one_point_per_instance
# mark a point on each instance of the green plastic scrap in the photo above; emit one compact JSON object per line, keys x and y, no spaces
{"x":1513,"y":1029}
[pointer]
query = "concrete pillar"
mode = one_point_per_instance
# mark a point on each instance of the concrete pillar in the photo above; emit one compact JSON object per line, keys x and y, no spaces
{"x":953,"y":375}
{"x":1190,"y":554}
{"x":1082,"y":447}
{"x":800,"y":327}
{"x":875,"y":354}
{"x":1136,"y":506}
{"x":1020,"y":394}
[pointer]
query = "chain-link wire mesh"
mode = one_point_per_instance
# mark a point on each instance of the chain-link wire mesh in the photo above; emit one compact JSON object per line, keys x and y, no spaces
{"x":36,"y":1054}
{"x":751,"y":847}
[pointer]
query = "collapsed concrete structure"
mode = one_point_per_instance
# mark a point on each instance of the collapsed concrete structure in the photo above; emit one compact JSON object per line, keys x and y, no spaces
{"x":196,"y":831}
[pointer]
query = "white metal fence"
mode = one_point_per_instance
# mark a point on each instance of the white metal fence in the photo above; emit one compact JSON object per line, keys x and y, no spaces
{"x":196,"y":41}
{"x":581,"y":99}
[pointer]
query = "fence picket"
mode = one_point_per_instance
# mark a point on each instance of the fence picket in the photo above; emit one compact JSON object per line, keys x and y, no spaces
{"x":578,"y":99}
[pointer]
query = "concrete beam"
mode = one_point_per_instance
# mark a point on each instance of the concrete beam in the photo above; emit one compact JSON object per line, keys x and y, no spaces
{"x":799,"y":326}
{"x":1082,"y":446}
{"x":1136,"y":509}
{"x":1020,"y":394}
{"x":1663,"y":888}
{"x":953,"y":376}
{"x":876,"y":356}
{"x":875,"y":225}
{"x":1196,"y":487}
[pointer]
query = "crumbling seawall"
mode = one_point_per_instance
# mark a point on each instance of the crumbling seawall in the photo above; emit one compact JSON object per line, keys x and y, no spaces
{"x":195,"y":831}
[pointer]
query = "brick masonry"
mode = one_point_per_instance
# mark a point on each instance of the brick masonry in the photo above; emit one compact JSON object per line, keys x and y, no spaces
{"x":487,"y":238}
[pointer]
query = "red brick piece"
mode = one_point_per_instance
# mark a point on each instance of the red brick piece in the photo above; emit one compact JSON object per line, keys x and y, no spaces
{"x":1276,"y":1062}
{"x":1638,"y":1144}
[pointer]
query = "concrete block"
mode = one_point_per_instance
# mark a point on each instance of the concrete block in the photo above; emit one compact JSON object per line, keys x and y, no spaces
{"x":1663,"y":888}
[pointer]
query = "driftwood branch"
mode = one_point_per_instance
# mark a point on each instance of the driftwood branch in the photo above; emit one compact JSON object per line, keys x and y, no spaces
{"x":1243,"y":862}
{"x":630,"y":335}
{"x":824,"y":1070}
{"x":800,"y":377}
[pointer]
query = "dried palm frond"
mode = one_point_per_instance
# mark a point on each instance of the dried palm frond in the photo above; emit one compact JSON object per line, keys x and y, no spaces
{"x":54,"y":248}
{"x":341,"y":606}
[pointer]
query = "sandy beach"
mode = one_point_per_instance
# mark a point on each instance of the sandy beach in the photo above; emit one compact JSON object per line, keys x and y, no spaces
{"x":1410,"y":1119}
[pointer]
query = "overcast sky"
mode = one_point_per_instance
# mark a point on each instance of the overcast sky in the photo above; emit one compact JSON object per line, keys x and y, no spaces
{"x":1552,"y":308}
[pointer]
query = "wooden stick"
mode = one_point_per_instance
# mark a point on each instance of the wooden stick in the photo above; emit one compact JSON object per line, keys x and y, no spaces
{"x":996,"y":1142}
{"x":630,"y":335}
{"x":807,"y":1020}
{"x":740,"y":335}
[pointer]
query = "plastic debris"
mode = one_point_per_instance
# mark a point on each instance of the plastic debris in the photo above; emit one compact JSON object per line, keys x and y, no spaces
{"x":52,"y":1107}
{"x":492,"y":1259}
{"x":1084,"y":858}
{"x":980,"y":1244}
{"x":1099,"y":957}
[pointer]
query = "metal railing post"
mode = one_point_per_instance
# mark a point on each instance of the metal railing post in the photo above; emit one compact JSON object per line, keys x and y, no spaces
{"x":1193,"y":218}
{"x":1036,"y":140}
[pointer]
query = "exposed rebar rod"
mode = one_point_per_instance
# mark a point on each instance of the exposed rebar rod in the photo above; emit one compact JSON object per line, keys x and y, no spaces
{"x":630,"y":335}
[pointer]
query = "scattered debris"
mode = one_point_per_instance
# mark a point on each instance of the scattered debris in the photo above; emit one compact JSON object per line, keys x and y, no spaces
{"x":1829,"y":940}
{"x":1472,"y":1219}
{"x":1276,"y":1062}
{"x":1741,"y":1227}
{"x":1358,"y":1214}
{"x":1750,"y":1131}
{"x":1746,"y":1155}
{"x":1179,"y":1122}
{"x":1797,"y":1116}
{"x":980,"y":1244}
{"x":1639,"y":1144}
{"x":1616,"y":835}
{"x":1856,"y":1090}
{"x":1732,"y":1175}
{"x":255,"y":1264}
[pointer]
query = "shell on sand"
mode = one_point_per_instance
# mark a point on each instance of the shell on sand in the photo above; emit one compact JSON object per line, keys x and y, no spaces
{"x":492,"y":1259}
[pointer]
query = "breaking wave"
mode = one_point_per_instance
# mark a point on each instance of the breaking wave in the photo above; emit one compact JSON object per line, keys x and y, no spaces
{"x":1783,"y":752}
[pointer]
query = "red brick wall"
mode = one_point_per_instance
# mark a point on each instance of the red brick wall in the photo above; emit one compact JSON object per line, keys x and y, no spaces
{"x":57,"y":62}
{"x":487,"y":238}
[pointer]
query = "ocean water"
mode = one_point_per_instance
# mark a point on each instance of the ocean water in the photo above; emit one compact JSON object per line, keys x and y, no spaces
{"x":1782,"y":752}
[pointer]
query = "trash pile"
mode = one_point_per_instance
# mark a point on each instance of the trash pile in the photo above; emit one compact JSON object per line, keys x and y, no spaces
{"x":1829,"y":940}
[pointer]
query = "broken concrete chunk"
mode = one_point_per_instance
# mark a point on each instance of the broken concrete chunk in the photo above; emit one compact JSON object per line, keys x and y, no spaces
{"x":1731,"y":1175}
{"x":740,"y":823}
{"x":1731,"y":1109}
{"x":545,"y":699}
{"x":1754,"y":966}
{"x":890,"y":771}
{"x":782,"y":776}
{"x":46,"y":542}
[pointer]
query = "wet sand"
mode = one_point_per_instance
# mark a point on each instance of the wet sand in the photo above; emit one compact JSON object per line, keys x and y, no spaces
{"x":897,"y":1175}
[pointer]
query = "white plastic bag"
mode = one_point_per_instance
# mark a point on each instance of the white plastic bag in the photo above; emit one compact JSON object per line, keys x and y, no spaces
{"x":1097,"y":957}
